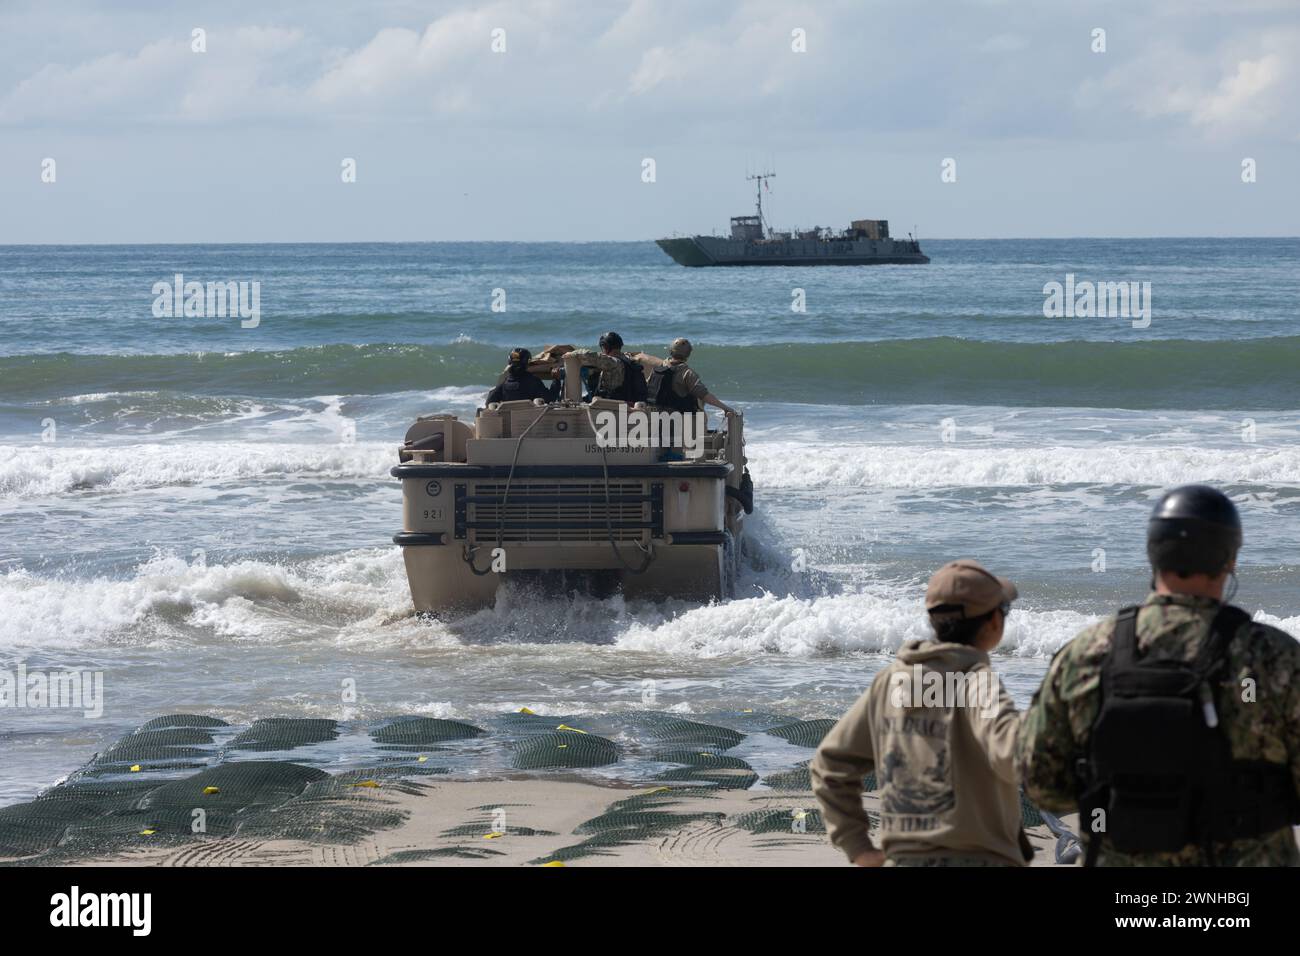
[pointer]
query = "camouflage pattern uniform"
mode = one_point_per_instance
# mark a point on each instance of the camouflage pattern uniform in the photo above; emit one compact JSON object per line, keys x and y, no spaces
{"x":1059,"y":720}
{"x":610,"y":368}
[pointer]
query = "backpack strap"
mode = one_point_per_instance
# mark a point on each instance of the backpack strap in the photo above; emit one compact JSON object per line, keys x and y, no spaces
{"x":634,"y":380}
{"x":1123,"y":642}
{"x":661,"y":377}
{"x":1223,"y":629}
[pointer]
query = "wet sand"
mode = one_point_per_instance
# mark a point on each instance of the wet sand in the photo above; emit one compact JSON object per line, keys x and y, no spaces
{"x":539,"y":821}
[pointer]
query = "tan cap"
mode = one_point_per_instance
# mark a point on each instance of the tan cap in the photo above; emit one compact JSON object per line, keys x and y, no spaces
{"x":681,"y":348}
{"x":970,"y":586}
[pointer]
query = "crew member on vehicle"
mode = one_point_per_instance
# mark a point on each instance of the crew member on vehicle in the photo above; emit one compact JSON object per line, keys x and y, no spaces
{"x":620,"y":379}
{"x":676,"y":386}
{"x":521,"y":384}
{"x":1173,"y":727}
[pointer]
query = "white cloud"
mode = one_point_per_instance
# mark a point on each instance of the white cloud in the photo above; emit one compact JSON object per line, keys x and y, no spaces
{"x":166,"y":80}
{"x":454,"y":140}
{"x":1240,"y":92}
{"x":373,"y":68}
{"x":398,"y":59}
{"x":1247,"y":86}
{"x":103,"y":83}
{"x":660,"y":65}
{"x":666,"y":68}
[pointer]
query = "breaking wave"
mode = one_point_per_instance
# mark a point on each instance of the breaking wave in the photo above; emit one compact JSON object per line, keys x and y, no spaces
{"x":938,"y":465}
{"x":51,"y":469}
{"x":41,"y":470}
{"x":360,"y":599}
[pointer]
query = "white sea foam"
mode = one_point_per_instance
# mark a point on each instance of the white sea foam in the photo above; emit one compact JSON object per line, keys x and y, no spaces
{"x":167,"y":600}
{"x":28,"y":471}
{"x":360,"y":599}
{"x":930,"y":466}
{"x":859,"y":622}
{"x":39,"y":470}
{"x":99,"y":397}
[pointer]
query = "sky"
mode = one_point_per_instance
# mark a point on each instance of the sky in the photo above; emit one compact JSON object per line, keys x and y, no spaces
{"x":535,"y":119}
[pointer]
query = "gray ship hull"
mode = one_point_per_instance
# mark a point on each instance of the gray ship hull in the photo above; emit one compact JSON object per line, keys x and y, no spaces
{"x":719,"y":251}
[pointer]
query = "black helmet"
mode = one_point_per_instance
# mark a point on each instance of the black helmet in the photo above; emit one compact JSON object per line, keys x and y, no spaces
{"x":1194,"y":529}
{"x":612,"y":341}
{"x":519,"y":358}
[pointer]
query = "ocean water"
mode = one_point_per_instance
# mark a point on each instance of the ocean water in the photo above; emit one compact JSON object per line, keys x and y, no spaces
{"x":202,"y":512}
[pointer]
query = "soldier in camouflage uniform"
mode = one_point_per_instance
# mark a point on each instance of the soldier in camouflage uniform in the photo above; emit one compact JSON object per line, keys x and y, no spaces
{"x":619,"y":378}
{"x":1255,"y":698}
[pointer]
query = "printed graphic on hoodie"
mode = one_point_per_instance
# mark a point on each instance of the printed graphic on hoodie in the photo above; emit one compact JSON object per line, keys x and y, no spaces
{"x":914,"y":777}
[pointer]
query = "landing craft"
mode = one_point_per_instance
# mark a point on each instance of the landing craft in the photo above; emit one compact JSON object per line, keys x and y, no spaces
{"x":754,"y":243}
{"x":527,"y":491}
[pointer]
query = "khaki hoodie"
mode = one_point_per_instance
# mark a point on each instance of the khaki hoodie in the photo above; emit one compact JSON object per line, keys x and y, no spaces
{"x":939,"y":730}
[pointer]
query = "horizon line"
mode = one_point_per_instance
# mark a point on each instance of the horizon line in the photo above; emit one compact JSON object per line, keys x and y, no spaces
{"x":573,"y":242}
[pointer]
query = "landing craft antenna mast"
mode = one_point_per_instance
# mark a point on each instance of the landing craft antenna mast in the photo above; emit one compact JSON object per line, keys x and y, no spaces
{"x":760,"y":177}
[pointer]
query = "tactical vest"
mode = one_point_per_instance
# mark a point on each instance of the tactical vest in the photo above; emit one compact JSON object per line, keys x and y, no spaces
{"x":515,"y":389}
{"x":660,"y":391}
{"x":1159,"y":763}
{"x":633,"y":388}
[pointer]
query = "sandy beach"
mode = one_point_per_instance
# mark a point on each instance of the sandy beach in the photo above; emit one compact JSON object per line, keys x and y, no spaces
{"x":534,"y":822}
{"x":640,"y":788}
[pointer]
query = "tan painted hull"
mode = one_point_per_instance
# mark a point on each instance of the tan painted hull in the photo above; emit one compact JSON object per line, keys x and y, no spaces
{"x":441,"y":580}
{"x":487,"y":506}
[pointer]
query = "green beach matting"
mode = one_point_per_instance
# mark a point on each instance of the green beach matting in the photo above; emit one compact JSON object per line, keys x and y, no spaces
{"x":671,"y":729}
{"x":796,"y":780}
{"x":780,"y":821}
{"x":656,"y":814}
{"x":486,"y":831}
{"x":285,"y":733}
{"x":137,"y":794}
{"x":569,"y":748}
{"x":526,"y":722}
{"x":722,"y":770}
{"x":635,"y":819}
{"x":423,"y":732}
{"x":182,"y":720}
{"x":180,"y":778}
{"x":437,"y":854}
{"x":803,"y":733}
